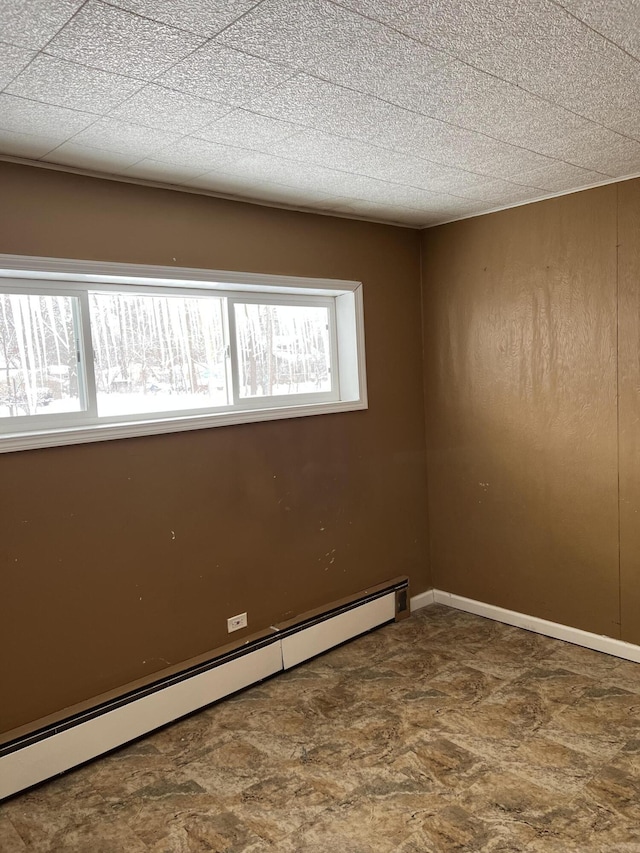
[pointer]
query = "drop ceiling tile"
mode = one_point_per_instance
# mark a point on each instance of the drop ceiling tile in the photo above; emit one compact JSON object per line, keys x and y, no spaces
{"x":23,"y":116}
{"x":225,"y":75}
{"x":65,"y":84}
{"x":263,"y":167}
{"x":228,"y":184}
{"x":399,"y":194}
{"x":85,"y":157}
{"x":279,"y":194}
{"x":29,"y":146}
{"x":607,"y":152}
{"x":334,"y":43}
{"x":386,"y":11}
{"x":349,"y":155}
{"x":203,"y":155}
{"x":452,"y":207}
{"x":248,"y":130}
{"x":560,"y":177}
{"x":206,"y":17}
{"x":470,"y":98}
{"x":112,"y":134}
{"x":12,"y":61}
{"x":168,"y":173}
{"x":392,"y":214}
{"x":456,"y":27}
{"x":564,"y":136}
{"x":381,"y":62}
{"x":618,"y":20}
{"x":31,"y":23}
{"x":314,"y":103}
{"x":541,"y":48}
{"x":361,"y":158}
{"x":110,"y":39}
{"x":536,"y":45}
{"x":155,"y":106}
{"x":297,"y":34}
{"x":268,"y":168}
{"x":458,"y":183}
{"x":495,"y":191}
{"x":453,"y":146}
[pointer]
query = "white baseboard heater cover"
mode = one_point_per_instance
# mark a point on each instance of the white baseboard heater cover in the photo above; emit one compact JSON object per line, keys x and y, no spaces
{"x":314,"y":639}
{"x":68,"y":743}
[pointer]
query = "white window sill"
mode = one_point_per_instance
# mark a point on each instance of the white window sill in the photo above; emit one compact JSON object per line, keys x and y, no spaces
{"x":11,"y":442}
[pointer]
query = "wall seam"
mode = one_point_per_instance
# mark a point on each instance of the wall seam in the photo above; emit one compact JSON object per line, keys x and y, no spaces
{"x":618,"y":403}
{"x":424,"y":409}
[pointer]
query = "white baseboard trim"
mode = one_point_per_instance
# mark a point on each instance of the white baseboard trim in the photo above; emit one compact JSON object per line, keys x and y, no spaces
{"x":422,"y":599}
{"x":597,"y":642}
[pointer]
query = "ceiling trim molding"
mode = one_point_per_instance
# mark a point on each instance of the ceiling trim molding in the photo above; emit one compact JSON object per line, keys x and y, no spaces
{"x":143,"y":182}
{"x":125,"y":179}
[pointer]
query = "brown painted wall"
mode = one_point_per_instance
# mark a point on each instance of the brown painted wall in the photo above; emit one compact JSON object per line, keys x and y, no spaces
{"x":96,"y":592}
{"x":520,"y":324}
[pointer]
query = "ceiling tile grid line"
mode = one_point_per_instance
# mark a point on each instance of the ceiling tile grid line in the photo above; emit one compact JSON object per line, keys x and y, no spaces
{"x":490,"y":137}
{"x":134,"y":8}
{"x":439,"y":108}
{"x":94,"y":69}
{"x":455,"y":56}
{"x":493,"y":137}
{"x":260,"y":4}
{"x":567,"y":9}
{"x":114,"y":111}
{"x":463,"y":127}
{"x":169,"y":16}
{"x":38,"y":50}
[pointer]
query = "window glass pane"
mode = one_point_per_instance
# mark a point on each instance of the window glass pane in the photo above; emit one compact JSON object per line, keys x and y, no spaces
{"x":282,"y":349}
{"x":157,"y":353}
{"x":38,"y":355}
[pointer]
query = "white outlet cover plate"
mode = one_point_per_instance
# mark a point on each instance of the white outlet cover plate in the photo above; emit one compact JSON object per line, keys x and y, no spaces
{"x":234,"y":623}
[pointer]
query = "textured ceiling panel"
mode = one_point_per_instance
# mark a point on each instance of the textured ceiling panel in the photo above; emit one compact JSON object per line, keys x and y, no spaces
{"x":561,"y":176}
{"x":156,"y":106}
{"x":65,"y":84}
{"x":618,"y":20}
{"x":124,"y":137}
{"x":383,"y":63}
{"x":546,"y":51}
{"x":408,"y":111}
{"x":24,"y":116}
{"x":453,"y":146}
{"x":107,"y":38}
{"x":224,"y":75}
{"x":314,"y":103}
{"x":457,"y":27}
{"x":205,"y":17}
{"x":86,"y":157}
{"x":33,"y":146}
{"x":248,"y":130}
{"x":12,"y":60}
{"x":297,"y":34}
{"x":155,"y":170}
{"x":201,"y":154}
{"x":31,"y":23}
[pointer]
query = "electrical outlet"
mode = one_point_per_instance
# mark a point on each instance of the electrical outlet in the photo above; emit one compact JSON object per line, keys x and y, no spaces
{"x":237,"y":622}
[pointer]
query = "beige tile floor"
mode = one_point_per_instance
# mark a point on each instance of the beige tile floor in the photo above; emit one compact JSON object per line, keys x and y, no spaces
{"x":445,"y":732}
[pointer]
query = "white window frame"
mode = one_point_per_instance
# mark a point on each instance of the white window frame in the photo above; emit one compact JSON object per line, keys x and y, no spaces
{"x":70,"y":277}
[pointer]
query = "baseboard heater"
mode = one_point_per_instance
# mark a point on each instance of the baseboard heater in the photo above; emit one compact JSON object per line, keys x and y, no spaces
{"x":78,"y":738}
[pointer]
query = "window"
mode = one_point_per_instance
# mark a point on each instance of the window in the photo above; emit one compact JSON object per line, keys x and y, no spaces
{"x":91,"y":351}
